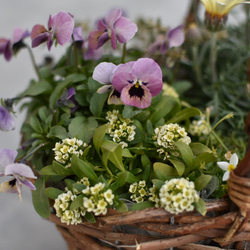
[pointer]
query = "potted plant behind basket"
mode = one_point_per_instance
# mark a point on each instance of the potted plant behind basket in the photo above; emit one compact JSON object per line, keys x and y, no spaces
{"x":124,"y":144}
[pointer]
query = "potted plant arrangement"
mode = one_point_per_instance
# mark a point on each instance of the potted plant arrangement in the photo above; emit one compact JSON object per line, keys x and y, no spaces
{"x":136,"y":137}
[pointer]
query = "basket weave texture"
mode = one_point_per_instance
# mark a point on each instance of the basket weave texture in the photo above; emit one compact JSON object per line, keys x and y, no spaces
{"x":154,"y":228}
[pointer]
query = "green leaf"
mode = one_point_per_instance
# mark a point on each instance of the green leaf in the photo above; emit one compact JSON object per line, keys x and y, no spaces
{"x":97,"y":102}
{"x":52,"y":192}
{"x":186,"y":153}
{"x":158,"y":183}
{"x":121,"y":207}
{"x":40,"y":200}
{"x":202,"y":181}
{"x":122,"y":179}
{"x":89,"y":217}
{"x":77,"y":202}
{"x":164,"y":107}
{"x":199,"y":148}
{"x":98,"y":136}
{"x":165,"y":169}
{"x":61,"y":170}
{"x":112,"y":151}
{"x":58,"y":132}
{"x":82,"y":169}
{"x":179,"y":166}
{"x":184,"y":114}
{"x":35,"y":124}
{"x":83,"y":128}
{"x":201,"y":207}
{"x":203,"y":158}
{"x":38,"y":88}
{"x":48,"y":170}
{"x":142,"y":205}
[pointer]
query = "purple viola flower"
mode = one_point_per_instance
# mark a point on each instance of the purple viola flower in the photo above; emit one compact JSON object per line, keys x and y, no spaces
{"x":138,"y":82}
{"x":7,"y":121}
{"x":77,"y":37}
{"x":103,"y":73}
{"x":114,"y":27}
{"x":20,"y":172}
{"x":60,"y":29}
{"x":9,"y":47}
{"x":174,"y":38}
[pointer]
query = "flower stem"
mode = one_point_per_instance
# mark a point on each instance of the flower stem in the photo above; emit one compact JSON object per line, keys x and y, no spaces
{"x":213,"y":57}
{"x":33,"y":61}
{"x":196,"y":65}
{"x":124,"y":49}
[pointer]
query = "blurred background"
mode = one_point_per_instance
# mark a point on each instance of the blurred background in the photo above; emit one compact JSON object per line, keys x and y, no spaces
{"x":20,"y":227}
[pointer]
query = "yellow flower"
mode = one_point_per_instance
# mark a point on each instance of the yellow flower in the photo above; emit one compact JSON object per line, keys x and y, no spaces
{"x":221,"y":7}
{"x":217,"y":11}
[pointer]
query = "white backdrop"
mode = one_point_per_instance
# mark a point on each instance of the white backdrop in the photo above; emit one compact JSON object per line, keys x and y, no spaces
{"x":20,"y":227}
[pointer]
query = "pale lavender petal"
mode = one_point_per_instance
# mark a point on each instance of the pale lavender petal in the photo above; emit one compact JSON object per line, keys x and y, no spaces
{"x":63,"y":25}
{"x":101,"y":26}
{"x":93,"y":38}
{"x":104,"y":89}
{"x":122,"y":76}
{"x":113,"y":39}
{"x":125,"y":29}
{"x":175,"y":37}
{"x":77,"y":34}
{"x":102,"y":39}
{"x":137,"y":97}
{"x":49,"y":41}
{"x":223,"y":165}
{"x":43,"y":37}
{"x":26,"y":182}
{"x":7,"y":121}
{"x":113,"y":16}
{"x":19,"y":35}
{"x":234,"y":159}
{"x":20,"y":170}
{"x":145,"y":68}
{"x":7,"y":157}
{"x":226,"y":176}
{"x":71,"y":92}
{"x":94,"y":54}
{"x":3,"y":42}
{"x":103,"y":72}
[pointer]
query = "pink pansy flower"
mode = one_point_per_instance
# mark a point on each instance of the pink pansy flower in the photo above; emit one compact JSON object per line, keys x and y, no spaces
{"x":19,"y":171}
{"x":114,"y":27}
{"x":7,"y":121}
{"x":138,"y":82}
{"x":174,"y":38}
{"x":228,"y":166}
{"x":9,"y":47}
{"x":103,"y":73}
{"x":60,"y":29}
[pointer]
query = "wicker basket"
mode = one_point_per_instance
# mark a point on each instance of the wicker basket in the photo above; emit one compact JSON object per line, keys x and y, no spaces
{"x":154,"y":228}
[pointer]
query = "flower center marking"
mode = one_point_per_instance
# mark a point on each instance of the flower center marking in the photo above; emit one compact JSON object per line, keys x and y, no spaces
{"x":230,"y":167}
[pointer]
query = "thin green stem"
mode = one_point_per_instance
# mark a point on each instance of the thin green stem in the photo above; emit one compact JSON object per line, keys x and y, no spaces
{"x":124,"y":49}
{"x":33,"y":61}
{"x":196,"y":65}
{"x":213,"y":57}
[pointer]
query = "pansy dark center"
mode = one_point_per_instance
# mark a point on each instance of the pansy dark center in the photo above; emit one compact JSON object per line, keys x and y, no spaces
{"x":136,"y":90}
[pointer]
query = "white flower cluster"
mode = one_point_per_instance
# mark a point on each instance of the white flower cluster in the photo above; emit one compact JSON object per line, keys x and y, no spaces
{"x":178,"y":195}
{"x":120,"y":129}
{"x":96,"y":200}
{"x":67,"y":148}
{"x":165,"y":136}
{"x":169,"y":90}
{"x":62,"y":207}
{"x":199,"y":127}
{"x":139,"y":191}
{"x":154,"y":196}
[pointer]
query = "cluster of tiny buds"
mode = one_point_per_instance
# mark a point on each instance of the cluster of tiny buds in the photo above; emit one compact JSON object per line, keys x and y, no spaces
{"x":199,"y":127}
{"x":67,"y":148}
{"x":165,"y":137}
{"x":139,"y":191}
{"x":177,"y":195}
{"x":121,"y":130}
{"x":96,"y":200}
